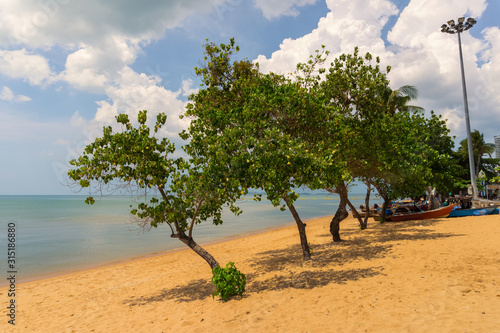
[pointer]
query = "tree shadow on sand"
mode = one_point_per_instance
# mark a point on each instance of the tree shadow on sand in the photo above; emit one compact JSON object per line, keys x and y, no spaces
{"x":201,"y":289}
{"x":194,"y":290}
{"x":408,"y":231}
{"x":312,"y":279}
{"x":292,"y":272}
{"x":366,"y":245}
{"x":323,"y":255}
{"x":393,"y":232}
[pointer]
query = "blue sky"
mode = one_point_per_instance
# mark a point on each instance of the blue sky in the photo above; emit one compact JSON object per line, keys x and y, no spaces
{"x":68,"y":67}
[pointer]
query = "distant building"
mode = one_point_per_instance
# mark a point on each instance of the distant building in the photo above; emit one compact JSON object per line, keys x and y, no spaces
{"x":497,"y":146}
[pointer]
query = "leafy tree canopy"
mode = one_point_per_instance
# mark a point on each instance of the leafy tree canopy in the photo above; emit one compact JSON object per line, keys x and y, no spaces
{"x":182,"y":194}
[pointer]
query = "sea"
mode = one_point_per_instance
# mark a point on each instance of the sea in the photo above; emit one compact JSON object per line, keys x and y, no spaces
{"x":59,"y":234}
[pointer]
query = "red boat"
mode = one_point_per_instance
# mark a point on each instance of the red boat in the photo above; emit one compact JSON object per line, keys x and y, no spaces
{"x":422,"y":215}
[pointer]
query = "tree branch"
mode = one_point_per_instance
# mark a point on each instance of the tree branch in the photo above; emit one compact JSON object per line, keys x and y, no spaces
{"x":191,"y":226}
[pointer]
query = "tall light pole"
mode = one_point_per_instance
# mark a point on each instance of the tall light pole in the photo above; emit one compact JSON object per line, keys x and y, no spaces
{"x":458,"y":28}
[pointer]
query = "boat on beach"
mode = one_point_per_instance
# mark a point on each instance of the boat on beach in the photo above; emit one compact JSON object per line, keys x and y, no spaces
{"x":473,"y":211}
{"x":421,"y":215}
{"x":466,"y":206}
{"x":371,"y":213}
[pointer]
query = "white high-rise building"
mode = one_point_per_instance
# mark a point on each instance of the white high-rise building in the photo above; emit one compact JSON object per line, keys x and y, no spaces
{"x":497,"y":146}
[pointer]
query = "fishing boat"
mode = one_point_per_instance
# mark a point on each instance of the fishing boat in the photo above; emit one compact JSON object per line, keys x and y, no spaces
{"x":371,"y":213}
{"x":421,"y":215}
{"x":473,"y":211}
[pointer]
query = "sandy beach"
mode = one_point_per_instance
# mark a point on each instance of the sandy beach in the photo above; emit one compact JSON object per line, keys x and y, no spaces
{"x":440,"y":275}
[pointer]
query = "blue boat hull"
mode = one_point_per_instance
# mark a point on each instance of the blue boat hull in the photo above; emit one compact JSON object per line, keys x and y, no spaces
{"x":472,"y":211}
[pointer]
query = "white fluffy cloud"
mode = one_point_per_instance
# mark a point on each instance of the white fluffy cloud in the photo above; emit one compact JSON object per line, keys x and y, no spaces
{"x":6,"y":94}
{"x":420,"y":55}
{"x":350,"y":23}
{"x":102,"y":39}
{"x":96,"y":42}
{"x":42,"y":23}
{"x":93,"y":67}
{"x":421,"y":19}
{"x":142,"y":92}
{"x":21,"y":64}
{"x":93,"y":46}
{"x":275,"y":8}
{"x":435,"y":71}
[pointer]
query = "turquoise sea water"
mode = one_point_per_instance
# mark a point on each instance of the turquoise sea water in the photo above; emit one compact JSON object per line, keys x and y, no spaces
{"x":56,"y":234}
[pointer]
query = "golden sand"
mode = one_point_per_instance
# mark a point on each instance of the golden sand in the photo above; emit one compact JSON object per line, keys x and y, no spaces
{"x":440,"y":275}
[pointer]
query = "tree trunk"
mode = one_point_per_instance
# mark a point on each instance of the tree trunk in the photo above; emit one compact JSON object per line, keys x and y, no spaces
{"x":364,"y":223}
{"x":189,"y":241}
{"x":306,"y":253}
{"x":385,"y":206}
{"x":354,"y":211}
{"x":341,"y":213}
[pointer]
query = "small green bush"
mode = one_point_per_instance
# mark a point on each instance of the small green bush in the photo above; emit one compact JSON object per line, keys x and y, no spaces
{"x":228,"y":281}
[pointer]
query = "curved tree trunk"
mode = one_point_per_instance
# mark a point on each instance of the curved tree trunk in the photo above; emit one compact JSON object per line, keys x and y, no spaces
{"x":354,"y":210}
{"x":341,"y":213}
{"x":306,"y":253}
{"x":189,"y":241}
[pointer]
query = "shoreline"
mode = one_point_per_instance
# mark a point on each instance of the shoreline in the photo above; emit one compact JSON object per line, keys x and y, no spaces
{"x":181,"y":247}
{"x":415,"y":276}
{"x":60,"y":234}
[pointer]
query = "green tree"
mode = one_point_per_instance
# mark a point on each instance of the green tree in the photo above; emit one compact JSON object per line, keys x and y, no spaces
{"x":245,"y":127}
{"x":417,"y":154}
{"x":397,"y":100}
{"x":496,"y":177}
{"x":399,"y":153}
{"x":352,"y":89}
{"x":181,"y":194}
{"x":479,"y":148}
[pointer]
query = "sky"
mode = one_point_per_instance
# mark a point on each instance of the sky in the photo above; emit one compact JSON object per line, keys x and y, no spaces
{"x":68,"y":67}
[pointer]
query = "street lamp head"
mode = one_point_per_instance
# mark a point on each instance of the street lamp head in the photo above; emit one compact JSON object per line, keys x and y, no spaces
{"x":470,"y":23}
{"x":461,"y":26}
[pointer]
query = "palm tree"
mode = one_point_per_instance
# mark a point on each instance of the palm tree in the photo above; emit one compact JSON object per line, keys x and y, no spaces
{"x":398,"y":99}
{"x":479,"y":148}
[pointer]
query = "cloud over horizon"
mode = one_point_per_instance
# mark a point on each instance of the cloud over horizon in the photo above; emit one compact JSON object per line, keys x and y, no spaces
{"x":64,"y":61}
